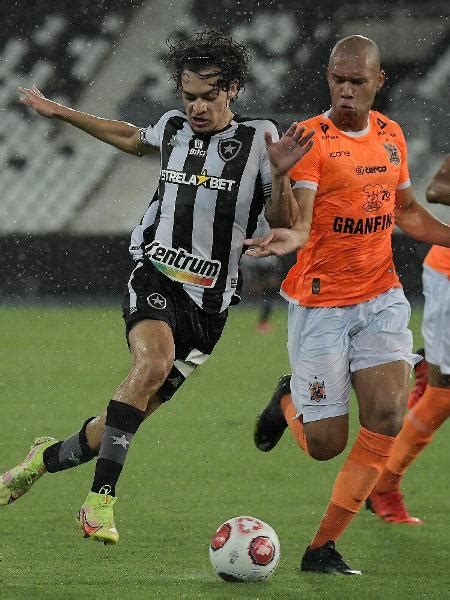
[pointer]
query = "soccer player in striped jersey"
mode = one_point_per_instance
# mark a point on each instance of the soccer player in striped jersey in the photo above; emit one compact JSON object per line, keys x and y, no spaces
{"x":432,"y":408}
{"x":348,"y":316}
{"x":215,"y":177}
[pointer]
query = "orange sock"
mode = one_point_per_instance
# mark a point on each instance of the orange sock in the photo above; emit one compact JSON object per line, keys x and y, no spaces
{"x":417,"y":432}
{"x":294,"y":422}
{"x":353,"y":484}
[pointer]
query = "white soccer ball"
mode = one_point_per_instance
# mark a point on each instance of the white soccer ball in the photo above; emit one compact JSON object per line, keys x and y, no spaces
{"x":244,"y":549}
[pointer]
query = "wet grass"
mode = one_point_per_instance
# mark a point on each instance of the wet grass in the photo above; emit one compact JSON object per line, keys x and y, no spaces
{"x":190,"y":467}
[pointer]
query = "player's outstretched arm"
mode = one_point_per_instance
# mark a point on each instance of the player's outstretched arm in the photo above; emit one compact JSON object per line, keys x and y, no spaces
{"x":281,"y":241}
{"x":281,"y":209}
{"x":418,"y":222}
{"x":438,"y":190}
{"x":123,"y":136}
{"x":277,"y":242}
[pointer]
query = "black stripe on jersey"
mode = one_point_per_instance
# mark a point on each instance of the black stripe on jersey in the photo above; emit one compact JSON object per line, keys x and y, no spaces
{"x":224,"y":218}
{"x":183,"y":218}
{"x":256,"y":208}
{"x":173,"y":126}
{"x":152,"y":201}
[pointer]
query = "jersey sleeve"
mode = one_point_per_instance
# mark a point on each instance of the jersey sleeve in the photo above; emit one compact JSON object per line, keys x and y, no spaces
{"x":306,"y":173}
{"x":404,"y":179}
{"x":153,"y":134}
{"x":266,"y":174}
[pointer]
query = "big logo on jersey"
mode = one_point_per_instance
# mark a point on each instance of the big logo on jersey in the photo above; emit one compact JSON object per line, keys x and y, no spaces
{"x":208,"y":181}
{"x":363,"y":226}
{"x":179,"y":265}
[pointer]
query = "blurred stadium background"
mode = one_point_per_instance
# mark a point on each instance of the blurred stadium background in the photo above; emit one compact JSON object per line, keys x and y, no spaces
{"x":69,"y":202}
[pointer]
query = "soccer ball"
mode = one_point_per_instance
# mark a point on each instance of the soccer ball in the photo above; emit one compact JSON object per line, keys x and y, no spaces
{"x":244,"y":549}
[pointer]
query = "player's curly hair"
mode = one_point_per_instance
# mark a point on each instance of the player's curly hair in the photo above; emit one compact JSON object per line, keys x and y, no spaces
{"x":209,"y":48}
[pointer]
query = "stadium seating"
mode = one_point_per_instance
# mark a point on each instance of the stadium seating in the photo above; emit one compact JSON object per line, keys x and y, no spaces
{"x":43,"y":179}
{"x":47,"y":177}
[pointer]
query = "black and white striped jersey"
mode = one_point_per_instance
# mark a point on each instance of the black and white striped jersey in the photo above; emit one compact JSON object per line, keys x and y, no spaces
{"x":211,"y":191}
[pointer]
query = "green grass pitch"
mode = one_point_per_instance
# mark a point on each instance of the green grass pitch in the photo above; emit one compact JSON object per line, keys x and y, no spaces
{"x":191,"y":466}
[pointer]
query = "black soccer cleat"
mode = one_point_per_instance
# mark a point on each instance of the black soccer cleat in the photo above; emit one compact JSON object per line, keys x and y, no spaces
{"x":270,"y":424}
{"x":326,"y":559}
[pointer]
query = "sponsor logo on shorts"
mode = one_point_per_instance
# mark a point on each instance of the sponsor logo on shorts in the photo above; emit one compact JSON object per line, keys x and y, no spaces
{"x":181,"y":266}
{"x":157,"y":301}
{"x":317,"y":390}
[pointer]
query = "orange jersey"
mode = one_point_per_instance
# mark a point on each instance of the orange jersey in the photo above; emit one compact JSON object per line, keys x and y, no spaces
{"x":348,"y":258}
{"x":438,"y":258}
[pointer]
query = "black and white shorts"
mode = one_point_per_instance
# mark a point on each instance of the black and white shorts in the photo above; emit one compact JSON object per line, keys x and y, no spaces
{"x":152,"y":295}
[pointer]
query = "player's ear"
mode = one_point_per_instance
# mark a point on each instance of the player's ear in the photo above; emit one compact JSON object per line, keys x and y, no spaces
{"x":381,"y":78}
{"x":232,"y":92}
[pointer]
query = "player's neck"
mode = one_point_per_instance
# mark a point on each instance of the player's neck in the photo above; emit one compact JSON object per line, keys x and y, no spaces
{"x":228,"y":117}
{"x":224,"y":123}
{"x":353,"y":124}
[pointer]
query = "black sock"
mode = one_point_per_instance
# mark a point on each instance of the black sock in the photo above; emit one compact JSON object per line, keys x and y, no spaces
{"x":71,"y":452}
{"x":122,"y":422}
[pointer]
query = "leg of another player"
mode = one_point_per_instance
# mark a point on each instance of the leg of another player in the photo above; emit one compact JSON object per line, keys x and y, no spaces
{"x":420,"y":423}
{"x":382,"y":394}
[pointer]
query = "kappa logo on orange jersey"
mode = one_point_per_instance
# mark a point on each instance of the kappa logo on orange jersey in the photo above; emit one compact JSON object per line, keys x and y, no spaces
{"x":393,"y":153}
{"x":376,"y":195}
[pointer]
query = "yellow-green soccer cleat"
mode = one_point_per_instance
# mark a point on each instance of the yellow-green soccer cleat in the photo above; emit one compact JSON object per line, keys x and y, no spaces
{"x":96,"y":517}
{"x":16,"y":482}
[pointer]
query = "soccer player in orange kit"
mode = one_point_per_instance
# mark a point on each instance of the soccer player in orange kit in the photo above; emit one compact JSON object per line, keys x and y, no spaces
{"x":433,"y":408}
{"x":348,"y":316}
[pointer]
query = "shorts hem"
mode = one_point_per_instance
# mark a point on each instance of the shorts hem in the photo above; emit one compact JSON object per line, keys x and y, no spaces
{"x":411,"y":359}
{"x":325,"y":413}
{"x":130,"y":321}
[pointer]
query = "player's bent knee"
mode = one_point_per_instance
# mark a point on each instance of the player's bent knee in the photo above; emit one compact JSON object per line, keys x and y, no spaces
{"x":321,"y":449}
{"x":152,"y":372}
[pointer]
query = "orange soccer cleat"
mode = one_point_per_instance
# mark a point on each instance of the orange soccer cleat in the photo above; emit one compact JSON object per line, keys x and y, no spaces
{"x":420,"y":381}
{"x":390,"y":507}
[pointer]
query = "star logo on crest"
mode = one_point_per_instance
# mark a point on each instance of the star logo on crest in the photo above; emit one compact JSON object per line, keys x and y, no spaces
{"x":157,"y":301}
{"x":229,"y":148}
